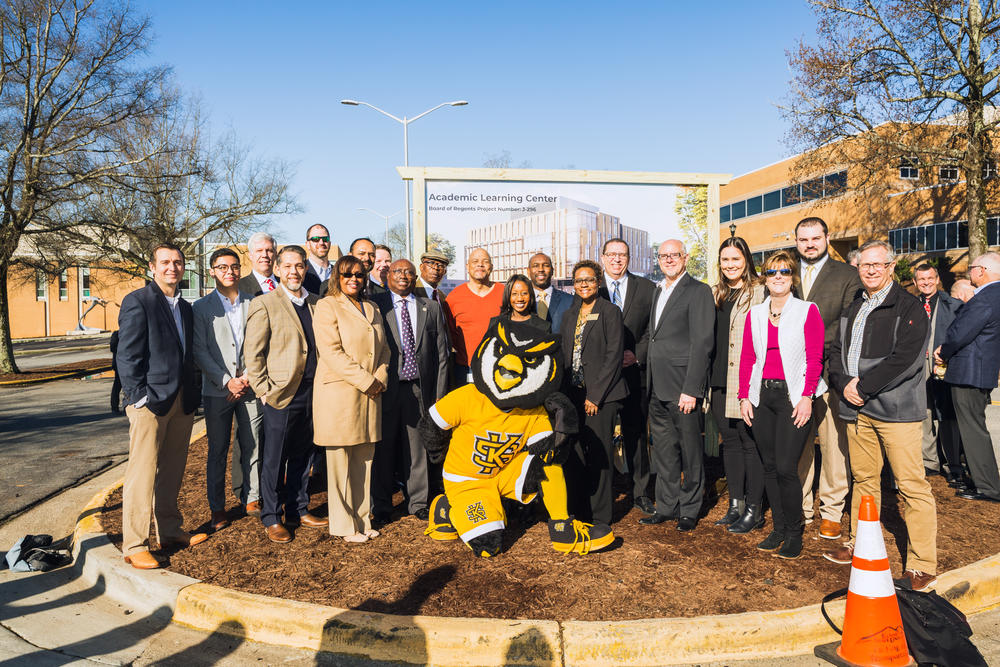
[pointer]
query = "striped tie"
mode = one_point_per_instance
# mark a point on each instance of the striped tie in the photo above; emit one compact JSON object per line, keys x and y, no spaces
{"x":616,"y":297}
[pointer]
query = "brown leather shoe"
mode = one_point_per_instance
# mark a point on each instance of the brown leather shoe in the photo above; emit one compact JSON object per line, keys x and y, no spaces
{"x":278,"y":533}
{"x":188,"y":540}
{"x":310,"y":521}
{"x":143,"y":560}
{"x":219,"y":520}
{"x":252,"y":508}
{"x":842,"y":555}
{"x":919,"y":581}
{"x":829,"y":529}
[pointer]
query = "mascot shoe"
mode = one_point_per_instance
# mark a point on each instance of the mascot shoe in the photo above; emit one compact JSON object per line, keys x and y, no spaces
{"x":572,"y":536}
{"x":438,"y":524}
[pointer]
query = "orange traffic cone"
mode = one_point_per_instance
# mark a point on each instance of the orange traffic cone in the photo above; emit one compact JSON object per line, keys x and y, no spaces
{"x":873,"y":629}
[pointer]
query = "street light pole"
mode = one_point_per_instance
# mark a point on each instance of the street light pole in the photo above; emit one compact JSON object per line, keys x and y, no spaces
{"x":405,"y":122}
{"x":384,"y":217}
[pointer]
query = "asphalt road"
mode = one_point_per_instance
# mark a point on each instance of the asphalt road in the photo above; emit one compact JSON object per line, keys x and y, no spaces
{"x":41,"y":353}
{"x":53,"y":435}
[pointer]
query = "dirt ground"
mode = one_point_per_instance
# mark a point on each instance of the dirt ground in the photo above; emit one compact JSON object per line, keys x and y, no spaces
{"x":42,"y":373}
{"x":651,"y":571}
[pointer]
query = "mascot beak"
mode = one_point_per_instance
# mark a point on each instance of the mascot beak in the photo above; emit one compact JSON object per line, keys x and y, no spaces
{"x":509,"y":372}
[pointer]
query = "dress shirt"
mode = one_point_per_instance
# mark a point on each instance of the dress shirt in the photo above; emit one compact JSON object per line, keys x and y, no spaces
{"x":323,"y":273}
{"x":979,"y":289}
{"x":234,"y":314}
{"x":817,"y":267}
{"x":609,"y":282}
{"x":871,"y":302}
{"x":411,"y":305}
{"x":172,"y":303}
{"x":297,"y":300}
{"x":262,"y":280}
{"x":547,"y":292}
{"x":662,"y":301}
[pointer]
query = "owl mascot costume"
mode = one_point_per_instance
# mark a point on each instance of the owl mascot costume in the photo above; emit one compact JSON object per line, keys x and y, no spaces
{"x":505,"y":436}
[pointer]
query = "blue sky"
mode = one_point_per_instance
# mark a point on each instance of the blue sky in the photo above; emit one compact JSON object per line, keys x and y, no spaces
{"x":657,"y":86}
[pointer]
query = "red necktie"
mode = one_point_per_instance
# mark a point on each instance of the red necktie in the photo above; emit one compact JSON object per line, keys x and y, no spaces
{"x":270,"y":284}
{"x":927,"y":306}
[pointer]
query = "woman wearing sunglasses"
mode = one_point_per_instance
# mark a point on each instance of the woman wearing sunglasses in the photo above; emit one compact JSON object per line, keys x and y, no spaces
{"x":738,"y":289}
{"x":352,"y":371}
{"x":519,"y":304}
{"x":780,"y":367}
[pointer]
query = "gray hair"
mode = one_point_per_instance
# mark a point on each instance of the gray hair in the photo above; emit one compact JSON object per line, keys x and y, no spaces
{"x":261,"y":236}
{"x":890,"y":254}
{"x":989,"y":261}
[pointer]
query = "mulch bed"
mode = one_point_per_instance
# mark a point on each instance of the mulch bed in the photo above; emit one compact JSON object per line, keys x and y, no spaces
{"x":653,"y":571}
{"x":50,"y":371}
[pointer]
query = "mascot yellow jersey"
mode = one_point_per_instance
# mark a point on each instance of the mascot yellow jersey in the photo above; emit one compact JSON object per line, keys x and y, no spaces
{"x":485,"y":438}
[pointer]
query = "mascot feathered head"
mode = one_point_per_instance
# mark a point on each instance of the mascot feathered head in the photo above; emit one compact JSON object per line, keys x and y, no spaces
{"x":517,"y":365}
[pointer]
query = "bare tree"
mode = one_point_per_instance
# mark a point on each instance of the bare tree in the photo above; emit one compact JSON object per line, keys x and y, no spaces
{"x":68,"y":81}
{"x":900,"y":82}
{"x":503,"y":160}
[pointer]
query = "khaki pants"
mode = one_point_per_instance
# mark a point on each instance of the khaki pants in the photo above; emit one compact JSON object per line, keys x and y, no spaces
{"x":348,"y":479}
{"x":157,"y":454}
{"x":902,"y":445}
{"x":834,"y":477}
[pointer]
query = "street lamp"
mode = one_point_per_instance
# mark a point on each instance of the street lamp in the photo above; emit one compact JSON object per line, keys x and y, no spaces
{"x":405,"y":122}
{"x":384,"y":217}
{"x":732,"y":229}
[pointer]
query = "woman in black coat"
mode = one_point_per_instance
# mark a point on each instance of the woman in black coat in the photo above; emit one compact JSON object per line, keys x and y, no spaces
{"x":593,"y":345}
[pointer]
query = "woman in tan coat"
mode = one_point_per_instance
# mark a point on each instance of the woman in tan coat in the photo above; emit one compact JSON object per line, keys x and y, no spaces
{"x":352,"y":372}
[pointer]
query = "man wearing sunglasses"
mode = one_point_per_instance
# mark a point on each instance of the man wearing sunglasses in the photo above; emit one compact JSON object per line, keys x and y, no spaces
{"x":832,"y":286}
{"x":321,"y":254}
{"x":972,"y":351}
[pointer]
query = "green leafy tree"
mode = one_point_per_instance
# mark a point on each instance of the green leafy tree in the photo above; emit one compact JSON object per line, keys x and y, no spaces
{"x":691,"y":207}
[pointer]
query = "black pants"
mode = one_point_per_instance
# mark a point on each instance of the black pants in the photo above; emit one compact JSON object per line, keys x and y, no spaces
{"x":284,"y":459}
{"x":744,"y":470}
{"x":948,"y":437}
{"x":400,"y":450}
{"x":677,"y":446}
{"x":634,"y":418}
{"x":970,"y":409}
{"x":591,"y":464}
{"x":780,"y":445}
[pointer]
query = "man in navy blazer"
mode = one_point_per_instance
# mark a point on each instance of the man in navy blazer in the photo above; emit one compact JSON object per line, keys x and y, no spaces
{"x":550,"y":300}
{"x":156,"y":364}
{"x":972,"y":351}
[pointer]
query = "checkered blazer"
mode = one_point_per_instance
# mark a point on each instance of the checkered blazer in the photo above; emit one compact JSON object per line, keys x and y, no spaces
{"x":737,"y":323}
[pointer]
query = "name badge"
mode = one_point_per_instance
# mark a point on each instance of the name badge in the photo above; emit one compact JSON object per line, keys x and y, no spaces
{"x":593,"y":316}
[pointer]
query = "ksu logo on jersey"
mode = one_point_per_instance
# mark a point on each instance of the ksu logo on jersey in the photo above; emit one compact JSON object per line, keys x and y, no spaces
{"x":495,"y":450}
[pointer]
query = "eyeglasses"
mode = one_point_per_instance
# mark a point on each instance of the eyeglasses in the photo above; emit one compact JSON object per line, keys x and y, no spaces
{"x":874,"y":266}
{"x":976,"y":266}
{"x":435,"y":264}
{"x":357,"y":274}
{"x":670,"y":255}
{"x":226,"y":268}
{"x":777,"y":272}
{"x":319,"y":239}
{"x":403,"y":272}
{"x":584,"y":281}
{"x":616,"y":255}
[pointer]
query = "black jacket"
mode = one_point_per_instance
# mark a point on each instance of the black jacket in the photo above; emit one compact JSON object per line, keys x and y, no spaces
{"x":601,"y":354}
{"x":891,"y":366}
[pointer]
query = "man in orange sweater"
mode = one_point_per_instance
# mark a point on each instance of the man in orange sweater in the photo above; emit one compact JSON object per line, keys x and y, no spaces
{"x":470,"y":307}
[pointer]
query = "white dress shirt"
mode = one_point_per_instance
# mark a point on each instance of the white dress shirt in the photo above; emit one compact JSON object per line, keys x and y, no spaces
{"x":547,"y":292}
{"x":662,"y":301}
{"x":817,"y":267}
{"x":609,"y":282}
{"x":323,"y":273}
{"x":411,"y":306}
{"x":979,"y":289}
{"x":297,"y":300}
{"x":234,"y":314}
{"x":262,"y":280}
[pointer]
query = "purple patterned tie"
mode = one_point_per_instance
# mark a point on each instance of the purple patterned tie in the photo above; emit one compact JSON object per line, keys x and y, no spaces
{"x":409,"y":371}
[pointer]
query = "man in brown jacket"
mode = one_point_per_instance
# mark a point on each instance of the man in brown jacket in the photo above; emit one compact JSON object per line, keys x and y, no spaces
{"x":280,"y":354}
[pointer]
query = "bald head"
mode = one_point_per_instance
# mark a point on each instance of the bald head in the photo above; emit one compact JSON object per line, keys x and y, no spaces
{"x":479,"y":266}
{"x":672,"y":257}
{"x":962,"y":290}
{"x":401,"y":278}
{"x":985,"y":269}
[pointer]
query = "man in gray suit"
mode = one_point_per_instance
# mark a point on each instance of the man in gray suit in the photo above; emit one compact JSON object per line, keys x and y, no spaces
{"x":418,"y":377}
{"x":831,"y":285}
{"x":219,"y":322}
{"x":552,"y":303}
{"x":681,"y":338}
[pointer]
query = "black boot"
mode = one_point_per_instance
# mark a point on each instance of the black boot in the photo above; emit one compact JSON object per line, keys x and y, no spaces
{"x":772,"y":541}
{"x":735,"y":510}
{"x":791,"y":548}
{"x":752,"y":519}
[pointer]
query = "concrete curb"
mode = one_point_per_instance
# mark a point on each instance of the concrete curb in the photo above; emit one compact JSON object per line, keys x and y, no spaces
{"x":474,"y":641}
{"x":62,"y":376}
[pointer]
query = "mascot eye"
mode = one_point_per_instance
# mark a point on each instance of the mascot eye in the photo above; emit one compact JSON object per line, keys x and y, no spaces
{"x":531,"y":361}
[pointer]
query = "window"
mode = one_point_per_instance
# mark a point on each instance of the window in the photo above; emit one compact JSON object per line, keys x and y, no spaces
{"x":724,"y":214}
{"x":64,"y":285}
{"x":739,"y":210}
{"x":948,"y":172}
{"x":834,"y":184}
{"x":41,"y":286}
{"x":992,"y":237}
{"x":772,"y":200}
{"x":909,"y":168}
{"x":754,"y":206}
{"x":190,"y":285}
{"x":790,"y":196}
{"x":812,"y":189}
{"x":85,"y":282}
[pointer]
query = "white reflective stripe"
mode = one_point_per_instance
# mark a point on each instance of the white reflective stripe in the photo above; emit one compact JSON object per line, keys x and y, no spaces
{"x":480,"y":530}
{"x":538,"y":436}
{"x":452,"y":477}
{"x":871,"y":584}
{"x":519,"y":484}
{"x":868,"y":543}
{"x":433,"y":412}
